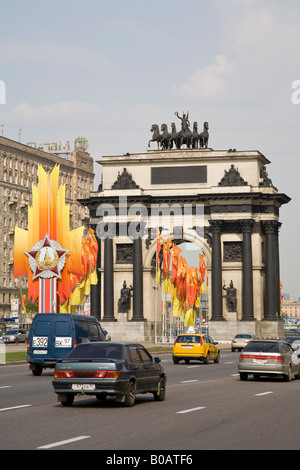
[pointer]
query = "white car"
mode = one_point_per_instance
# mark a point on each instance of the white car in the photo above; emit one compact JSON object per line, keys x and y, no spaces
{"x":240,"y":341}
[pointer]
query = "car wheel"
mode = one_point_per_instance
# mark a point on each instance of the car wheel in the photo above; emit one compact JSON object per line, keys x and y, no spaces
{"x":175,"y":360}
{"x":243,"y":376}
{"x":217,"y":360}
{"x":161,"y":393}
{"x":37,"y":370}
{"x":130,"y":394}
{"x":206,"y":359}
{"x":68,"y":401}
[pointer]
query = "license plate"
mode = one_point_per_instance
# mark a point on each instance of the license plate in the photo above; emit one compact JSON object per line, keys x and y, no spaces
{"x":40,"y":351}
{"x":260,"y":361}
{"x":84,"y":387}
{"x":40,"y":341}
{"x":187,"y":347}
{"x":63,"y":342}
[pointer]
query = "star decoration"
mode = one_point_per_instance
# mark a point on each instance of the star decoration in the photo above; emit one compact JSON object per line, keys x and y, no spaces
{"x":46,"y":258}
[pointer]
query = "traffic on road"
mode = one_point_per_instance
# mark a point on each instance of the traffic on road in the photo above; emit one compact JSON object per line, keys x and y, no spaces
{"x":205,"y":406}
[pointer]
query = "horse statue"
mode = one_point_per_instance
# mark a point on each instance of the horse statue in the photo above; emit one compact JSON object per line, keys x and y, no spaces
{"x":192,"y":139}
{"x":156,"y":137}
{"x":204,"y":136}
{"x":174,"y":137}
{"x":165,"y":138}
{"x":195,"y":136}
{"x":185,"y":138}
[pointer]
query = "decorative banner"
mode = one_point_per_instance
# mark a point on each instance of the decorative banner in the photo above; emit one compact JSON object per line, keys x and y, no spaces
{"x":49,"y":250}
{"x":187,"y":283}
{"x":158,"y":248}
{"x":174,"y":299}
{"x":47,"y":295}
{"x":166,"y":266}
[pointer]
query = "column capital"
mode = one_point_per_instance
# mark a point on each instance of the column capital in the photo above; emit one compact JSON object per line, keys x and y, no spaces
{"x":216,"y":226}
{"x":246,"y":225}
{"x":271,"y":227}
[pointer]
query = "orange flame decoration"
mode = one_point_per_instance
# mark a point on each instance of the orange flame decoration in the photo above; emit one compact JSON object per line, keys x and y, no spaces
{"x":49,"y":214}
{"x":187,"y":284}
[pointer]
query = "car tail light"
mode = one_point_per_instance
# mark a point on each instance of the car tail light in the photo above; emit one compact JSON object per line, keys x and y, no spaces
{"x":262,"y":357}
{"x":234,"y":341}
{"x":175,"y":340}
{"x":107,"y":374}
{"x":112,"y":374}
{"x":100,"y":374}
{"x":63,"y":374}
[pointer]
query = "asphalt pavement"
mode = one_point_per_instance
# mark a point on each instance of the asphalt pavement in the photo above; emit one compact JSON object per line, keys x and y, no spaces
{"x":207,"y":407}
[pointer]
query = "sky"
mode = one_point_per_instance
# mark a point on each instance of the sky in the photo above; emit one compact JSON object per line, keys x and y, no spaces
{"x":108,"y":70}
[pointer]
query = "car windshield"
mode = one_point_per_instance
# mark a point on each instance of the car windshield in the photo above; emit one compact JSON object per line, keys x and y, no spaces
{"x":243,"y":336}
{"x":97,"y":351}
{"x":12,"y":332}
{"x":188,"y":339}
{"x":262,"y":346}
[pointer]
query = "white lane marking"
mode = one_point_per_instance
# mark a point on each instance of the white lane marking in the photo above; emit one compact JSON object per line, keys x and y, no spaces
{"x":190,"y":410}
{"x":6,"y":386}
{"x":14,"y":407}
{"x":192,"y":367}
{"x":188,"y":381}
{"x":61,"y":443}
{"x":228,"y":363}
{"x":234,"y":375}
{"x":263,"y":394}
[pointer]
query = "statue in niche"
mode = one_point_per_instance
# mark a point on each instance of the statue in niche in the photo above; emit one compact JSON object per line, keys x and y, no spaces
{"x":124,"y":300}
{"x":231,"y":297}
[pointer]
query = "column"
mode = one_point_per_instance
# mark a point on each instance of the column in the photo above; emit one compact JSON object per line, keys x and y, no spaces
{"x":108,"y":314}
{"x":277,"y":267}
{"x":216,"y":271}
{"x":271,"y":276}
{"x":247,"y":272}
{"x":96,"y":289}
{"x":138,"y":313}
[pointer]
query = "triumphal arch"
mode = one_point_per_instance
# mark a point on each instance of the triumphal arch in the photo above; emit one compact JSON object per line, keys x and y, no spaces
{"x":223,"y":201}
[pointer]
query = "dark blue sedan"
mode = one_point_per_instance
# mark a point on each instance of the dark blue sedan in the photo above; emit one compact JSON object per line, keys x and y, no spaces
{"x":106,"y":369}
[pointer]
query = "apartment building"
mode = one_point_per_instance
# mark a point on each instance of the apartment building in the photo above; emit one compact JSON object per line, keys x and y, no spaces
{"x":18,"y":171}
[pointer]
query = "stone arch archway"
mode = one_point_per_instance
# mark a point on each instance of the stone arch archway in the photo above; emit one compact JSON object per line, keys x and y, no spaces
{"x":240,"y":240}
{"x":167,"y":326}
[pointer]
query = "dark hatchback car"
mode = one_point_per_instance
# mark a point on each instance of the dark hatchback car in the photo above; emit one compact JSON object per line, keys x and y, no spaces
{"x":104,"y":369}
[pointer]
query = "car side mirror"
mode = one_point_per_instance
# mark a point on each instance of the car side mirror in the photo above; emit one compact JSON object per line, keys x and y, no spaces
{"x":157,"y":360}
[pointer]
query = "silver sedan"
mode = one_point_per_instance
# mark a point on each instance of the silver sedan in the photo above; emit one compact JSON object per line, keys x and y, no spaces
{"x":240,"y":341}
{"x":269,"y":358}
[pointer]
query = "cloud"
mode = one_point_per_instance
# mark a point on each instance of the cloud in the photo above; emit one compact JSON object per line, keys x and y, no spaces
{"x":209,"y":82}
{"x":258,"y":48}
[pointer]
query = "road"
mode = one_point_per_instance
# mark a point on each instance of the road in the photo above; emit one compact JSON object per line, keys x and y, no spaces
{"x":206,"y":407}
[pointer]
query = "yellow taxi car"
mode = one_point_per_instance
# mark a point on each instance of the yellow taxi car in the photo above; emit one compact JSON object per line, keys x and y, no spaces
{"x":200,"y":347}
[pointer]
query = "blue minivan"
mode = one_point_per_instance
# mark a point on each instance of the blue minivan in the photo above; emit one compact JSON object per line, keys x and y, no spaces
{"x":53,"y":335}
